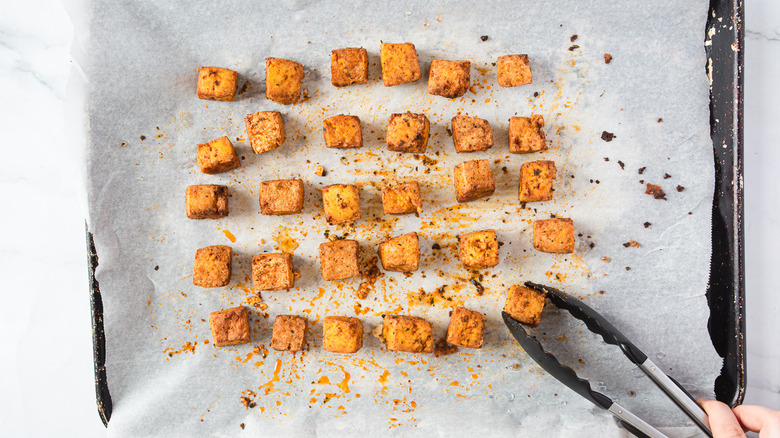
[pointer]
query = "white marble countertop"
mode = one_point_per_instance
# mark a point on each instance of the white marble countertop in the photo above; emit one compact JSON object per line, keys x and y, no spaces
{"x":46,"y":370}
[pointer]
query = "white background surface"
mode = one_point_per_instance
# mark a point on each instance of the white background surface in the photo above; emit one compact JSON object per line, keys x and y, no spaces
{"x":46,"y":370}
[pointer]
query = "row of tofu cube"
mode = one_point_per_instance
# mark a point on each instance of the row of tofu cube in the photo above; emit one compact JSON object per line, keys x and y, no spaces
{"x":343,"y":334}
{"x":400,"y":65}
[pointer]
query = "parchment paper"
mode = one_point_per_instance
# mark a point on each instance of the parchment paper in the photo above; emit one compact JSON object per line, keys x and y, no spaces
{"x":144,"y":123}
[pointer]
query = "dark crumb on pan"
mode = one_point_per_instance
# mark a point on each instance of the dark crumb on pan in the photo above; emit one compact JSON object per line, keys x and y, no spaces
{"x":436,"y":246}
{"x":504,"y":169}
{"x":680,"y":188}
{"x":536,"y":94}
{"x":449,"y":131}
{"x":607,"y":58}
{"x":602,"y":293}
{"x":591,"y":245}
{"x":443,"y":348}
{"x":621,"y":164}
{"x":157,"y":268}
{"x":656,"y":191}
{"x":631,"y":243}
{"x":573,"y":48}
{"x":647,"y":224}
{"x":143,"y":137}
{"x":478,"y":285}
{"x":660,"y":120}
{"x":606,"y":158}
{"x":244,"y":88}
{"x":607,"y":136}
{"x":484,"y":38}
{"x":667,"y":176}
{"x":573,"y":38}
{"x":641,"y":170}
{"x":631,"y":394}
{"x":241,"y":426}
{"x":628,"y":268}
{"x":123,"y":144}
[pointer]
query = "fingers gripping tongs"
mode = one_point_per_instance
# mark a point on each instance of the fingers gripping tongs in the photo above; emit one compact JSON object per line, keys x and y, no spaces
{"x":597,"y":324}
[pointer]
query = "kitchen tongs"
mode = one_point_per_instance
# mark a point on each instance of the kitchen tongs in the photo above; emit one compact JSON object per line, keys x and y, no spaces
{"x":597,"y":324}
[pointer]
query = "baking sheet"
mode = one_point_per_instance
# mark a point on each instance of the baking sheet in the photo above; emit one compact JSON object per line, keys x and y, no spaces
{"x":162,"y":376}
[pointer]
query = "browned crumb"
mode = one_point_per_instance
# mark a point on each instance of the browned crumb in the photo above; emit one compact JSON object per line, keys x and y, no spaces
{"x":320,"y":171}
{"x":632,"y":243}
{"x":642,"y":170}
{"x":573,"y":38}
{"x":244,"y":88}
{"x":607,"y":58}
{"x":444,"y":348}
{"x":607,"y":136}
{"x":667,"y":176}
{"x":241,"y":425}
{"x":484,"y":38}
{"x":660,"y":120}
{"x":656,"y":191}
{"x":606,"y":259}
{"x":647,"y":224}
{"x":369,"y":270}
{"x":573,"y":48}
{"x":680,"y":188}
{"x":245,"y":401}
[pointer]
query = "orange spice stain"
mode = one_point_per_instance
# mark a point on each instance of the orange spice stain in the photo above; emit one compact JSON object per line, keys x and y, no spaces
{"x":344,"y":385}
{"x":268,"y":387}
{"x":228,"y":234}
{"x":383,"y":380}
{"x":188,"y":347}
{"x":328,"y":396}
{"x":285,"y":243}
{"x":324,"y":380}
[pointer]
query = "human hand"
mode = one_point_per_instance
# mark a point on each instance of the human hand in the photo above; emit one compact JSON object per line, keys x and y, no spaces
{"x":733,"y":423}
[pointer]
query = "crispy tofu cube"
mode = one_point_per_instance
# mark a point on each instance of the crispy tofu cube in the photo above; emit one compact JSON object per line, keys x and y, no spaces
{"x":216,"y":83}
{"x":289,"y":333}
{"x":283,"y":80}
{"x":402,"y":199}
{"x":479,"y":249}
{"x":284,"y":196}
{"x":525,"y":305}
{"x":554,"y":235}
{"x":265,"y":130}
{"x":473,"y":180}
{"x":343,"y":132}
{"x":348,"y":66}
{"x":410,"y":334}
{"x":217,"y":156}
{"x":207,"y":201}
{"x":212,"y":266}
{"x":536,"y":181}
{"x":408,"y":133}
{"x":273,"y":271}
{"x":339,"y":259}
{"x":341,"y":203}
{"x":466,"y":329}
{"x":526,"y":135}
{"x":513,"y":70}
{"x":230,"y":326}
{"x":399,"y":63}
{"x":401,"y":254}
{"x":471,"y":134}
{"x":449,"y":78}
{"x":342,"y":334}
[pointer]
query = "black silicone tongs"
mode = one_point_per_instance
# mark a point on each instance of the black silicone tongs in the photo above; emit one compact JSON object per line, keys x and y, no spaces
{"x":597,"y":324}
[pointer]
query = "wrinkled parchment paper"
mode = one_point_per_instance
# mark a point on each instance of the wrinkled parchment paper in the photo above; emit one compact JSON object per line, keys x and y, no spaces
{"x":144,"y":123}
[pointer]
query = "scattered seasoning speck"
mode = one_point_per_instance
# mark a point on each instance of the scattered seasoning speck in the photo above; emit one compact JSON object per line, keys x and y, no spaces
{"x":123,"y":144}
{"x":592,"y":245}
{"x":656,"y":191}
{"x":628,"y":268}
{"x":642,"y":170}
{"x":573,"y":48}
{"x":607,"y":58}
{"x":660,"y":120}
{"x":157,"y":268}
{"x":536,"y":94}
{"x":143,"y":137}
{"x":647,"y":224}
{"x":667,"y":176}
{"x":606,"y":158}
{"x":680,"y":188}
{"x":631,"y":243}
{"x":484,"y":38}
{"x":622,"y":165}
{"x":241,"y":426}
{"x":607,"y":136}
{"x":573,"y":38}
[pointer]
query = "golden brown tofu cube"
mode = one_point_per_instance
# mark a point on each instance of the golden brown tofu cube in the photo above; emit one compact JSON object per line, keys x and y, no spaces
{"x":348,"y":66}
{"x":284,"y":196}
{"x":526,"y":135}
{"x":402,"y":199}
{"x":341,"y":203}
{"x":471,"y":134}
{"x":408,"y":133}
{"x":513,"y":70}
{"x":554,"y":235}
{"x":401,"y":254}
{"x":230,"y":326}
{"x":473,"y":180}
{"x":283,"y":80}
{"x":449,"y":78}
{"x":217,"y":156}
{"x":525,"y":305}
{"x":212,"y":266}
{"x":343,"y":132}
{"x":466,"y":329}
{"x":342,"y":334}
{"x":536,"y":181}
{"x":289,"y":333}
{"x":339,"y":259}
{"x":410,"y":334}
{"x":399,"y":63}
{"x":207,"y":201}
{"x":216,"y":83}
{"x":265,"y":130}
{"x":479,"y":249}
{"x":273,"y":271}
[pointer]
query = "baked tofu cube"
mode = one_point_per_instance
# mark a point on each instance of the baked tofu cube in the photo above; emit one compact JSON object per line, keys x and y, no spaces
{"x":536,"y":181}
{"x":207,"y":201}
{"x":283,"y":80}
{"x":343,"y":132}
{"x":230,"y":326}
{"x":473,"y":180}
{"x":408,"y":133}
{"x":273,"y":271}
{"x":479,"y":249}
{"x":525,"y":305}
{"x":554,"y":235}
{"x":217,"y":156}
{"x":513,"y":70}
{"x":466,"y":329}
{"x":289,"y":333}
{"x":341,"y":203}
{"x":265,"y":130}
{"x":399,"y":63}
{"x":284,"y":196}
{"x":212,"y":266}
{"x":342,"y":334}
{"x":402,"y":199}
{"x":409,"y":334}
{"x":348,"y":66}
{"x":216,"y":83}
{"x":401,"y":254}
{"x":471,"y":134}
{"x":339,"y":259}
{"x":526,"y":135}
{"x":449,"y":78}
